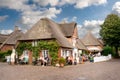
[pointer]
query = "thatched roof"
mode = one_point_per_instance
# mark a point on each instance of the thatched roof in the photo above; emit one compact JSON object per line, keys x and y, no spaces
{"x":58,"y":34}
{"x":39,"y":31}
{"x":101,"y":41}
{"x":3,"y":37}
{"x":89,"y":40}
{"x":80,"y":45}
{"x":67,"y":28}
{"x":48,"y":29}
{"x":12,"y":38}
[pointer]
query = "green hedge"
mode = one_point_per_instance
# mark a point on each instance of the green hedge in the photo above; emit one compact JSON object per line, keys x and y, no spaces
{"x":107,"y":50}
{"x":3,"y":54}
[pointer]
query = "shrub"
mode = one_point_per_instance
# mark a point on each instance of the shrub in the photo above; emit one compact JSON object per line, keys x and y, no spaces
{"x":62,"y":61}
{"x":115,"y":55}
{"x":54,"y":61}
{"x":107,"y":50}
{"x":3,"y":54}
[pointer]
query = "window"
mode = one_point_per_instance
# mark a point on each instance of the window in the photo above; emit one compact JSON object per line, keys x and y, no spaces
{"x":65,"y":53}
{"x":45,"y":53}
{"x":34,"y":43}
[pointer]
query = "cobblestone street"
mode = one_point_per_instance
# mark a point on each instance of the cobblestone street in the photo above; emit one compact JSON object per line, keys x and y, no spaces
{"x":89,"y":71}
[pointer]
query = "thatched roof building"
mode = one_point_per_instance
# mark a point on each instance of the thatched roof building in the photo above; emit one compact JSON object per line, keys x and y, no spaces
{"x":91,"y":42}
{"x":10,"y":39}
{"x":89,"y":39}
{"x":48,"y":29}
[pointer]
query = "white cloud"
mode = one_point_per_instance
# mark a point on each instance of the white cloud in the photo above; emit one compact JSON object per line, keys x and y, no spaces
{"x":79,"y":26}
{"x":51,"y":12}
{"x":85,"y":3}
{"x":77,"y":3}
{"x":64,"y":2}
{"x":46,"y":2}
{"x":42,"y":2}
{"x":82,"y":4}
{"x":6,"y":31}
{"x":19,"y":5}
{"x":2,"y":18}
{"x":31,"y":13}
{"x":31,"y":17}
{"x":65,"y":20}
{"x":54,"y":2}
{"x":93,"y":26}
{"x":116,"y":8}
{"x":74,"y":18}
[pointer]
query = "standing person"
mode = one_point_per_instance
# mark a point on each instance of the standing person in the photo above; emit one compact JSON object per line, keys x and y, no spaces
{"x":75,"y":62}
{"x":8,"y":59}
{"x":13,"y":57}
{"x":42,"y":60}
{"x":71,"y":60}
{"x":83,"y":58}
{"x":80,"y":59}
{"x":67,"y":61}
{"x":47,"y":60}
{"x":26,"y":57}
{"x":91,"y":58}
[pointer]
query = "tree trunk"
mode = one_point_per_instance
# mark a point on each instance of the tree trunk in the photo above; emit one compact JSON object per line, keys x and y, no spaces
{"x":116,"y":52}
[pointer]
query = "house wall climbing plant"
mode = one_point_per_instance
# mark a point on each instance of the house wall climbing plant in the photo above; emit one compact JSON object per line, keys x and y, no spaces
{"x":51,"y":45}
{"x":22,"y":46}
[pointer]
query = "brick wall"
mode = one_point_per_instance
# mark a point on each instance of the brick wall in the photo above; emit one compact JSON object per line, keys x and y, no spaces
{"x":7,"y":47}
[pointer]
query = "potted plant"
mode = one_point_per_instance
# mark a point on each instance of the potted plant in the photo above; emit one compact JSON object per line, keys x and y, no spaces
{"x":62,"y":62}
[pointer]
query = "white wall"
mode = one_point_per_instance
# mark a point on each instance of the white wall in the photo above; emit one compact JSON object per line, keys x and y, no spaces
{"x":102,"y":58}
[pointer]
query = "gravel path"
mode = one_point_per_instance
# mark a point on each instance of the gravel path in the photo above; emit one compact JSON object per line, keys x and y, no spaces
{"x":89,"y":71}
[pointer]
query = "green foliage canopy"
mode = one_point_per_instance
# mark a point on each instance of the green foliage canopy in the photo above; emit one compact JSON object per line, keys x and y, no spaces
{"x":110,"y":31}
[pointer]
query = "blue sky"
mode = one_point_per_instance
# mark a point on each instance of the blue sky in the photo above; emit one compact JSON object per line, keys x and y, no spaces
{"x":88,"y":14}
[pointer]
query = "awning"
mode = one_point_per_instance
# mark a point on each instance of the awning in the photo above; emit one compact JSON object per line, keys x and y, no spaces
{"x":94,"y":48}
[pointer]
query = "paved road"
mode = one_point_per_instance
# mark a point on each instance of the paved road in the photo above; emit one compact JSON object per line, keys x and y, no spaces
{"x":109,"y":70}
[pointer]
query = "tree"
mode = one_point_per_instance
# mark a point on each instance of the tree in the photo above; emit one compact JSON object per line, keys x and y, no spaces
{"x":110,"y":31}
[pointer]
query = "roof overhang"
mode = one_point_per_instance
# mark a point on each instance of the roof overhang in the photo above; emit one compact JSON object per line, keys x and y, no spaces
{"x":94,"y":49}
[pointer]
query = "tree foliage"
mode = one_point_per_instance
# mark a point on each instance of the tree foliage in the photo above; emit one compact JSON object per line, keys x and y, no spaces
{"x":110,"y":31}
